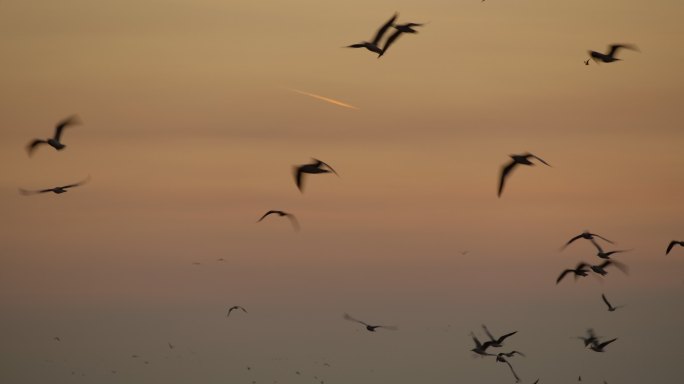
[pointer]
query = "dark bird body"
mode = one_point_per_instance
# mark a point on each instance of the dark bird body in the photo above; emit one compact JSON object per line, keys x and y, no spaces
{"x":312,"y":168}
{"x":523,"y":159}
{"x":370,"y":328}
{"x":54,"y":141}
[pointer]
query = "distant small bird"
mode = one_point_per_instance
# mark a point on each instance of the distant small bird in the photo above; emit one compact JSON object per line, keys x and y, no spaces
{"x":196,"y":263}
{"x":56,"y":338}
{"x":497,"y":343}
{"x":585,"y":235}
{"x":54,"y":141}
{"x":601,"y":268}
{"x":610,"y":56}
{"x":56,"y":190}
{"x":171,"y":346}
{"x":672,"y":244}
{"x":500,"y":356}
{"x":135,"y":356}
{"x":586,"y":62}
{"x":481,"y":348}
{"x":220,"y":259}
{"x":369,"y":327}
{"x":234,"y":308}
{"x":523,"y":159}
{"x":312,"y":168}
{"x":290,"y":216}
{"x":373,"y":46}
{"x":580,"y":270}
{"x":590,"y":338}
{"x":599,"y":347}
{"x":400,"y":28}
{"x":610,"y":306}
{"x":463,"y":253}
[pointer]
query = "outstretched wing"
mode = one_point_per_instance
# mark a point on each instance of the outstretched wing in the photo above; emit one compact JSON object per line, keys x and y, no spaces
{"x":504,"y":172}
{"x":614,"y":48}
{"x":266,"y":214}
{"x":540,"y":159}
{"x":357,"y":45}
{"x":502,"y":338}
{"x":562,"y":275}
{"x":32,"y":145}
{"x":320,"y":162}
{"x":384,"y":28}
{"x":298,"y":177}
{"x":294,"y":221}
{"x":602,"y":345}
{"x":63,"y":124}
{"x":390,"y":40}
{"x":603,"y":296}
{"x":517,"y":379}
{"x":76,"y":184}
{"x":571,"y":240}
{"x":601,"y":237}
{"x":489,"y":334}
{"x":669,"y":247}
{"x":347,"y":317}
{"x":389,"y":327}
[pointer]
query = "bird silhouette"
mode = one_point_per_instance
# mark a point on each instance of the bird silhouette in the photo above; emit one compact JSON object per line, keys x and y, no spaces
{"x":672,"y":244}
{"x":605,"y":255}
{"x":500,"y":356}
{"x":497,"y":342}
{"x":481,"y":348}
{"x":610,"y":56}
{"x":590,"y":338}
{"x":373,"y":46}
{"x":523,"y":159}
{"x":585,"y":235}
{"x":56,"y":190}
{"x":56,"y":338}
{"x":312,"y":168}
{"x":586,"y":62}
{"x":290,"y":216}
{"x":54,"y":141}
{"x":400,"y":28}
{"x":369,"y":327}
{"x":610,"y":306}
{"x":580,"y":270}
{"x":601,"y":268}
{"x":234,"y":308}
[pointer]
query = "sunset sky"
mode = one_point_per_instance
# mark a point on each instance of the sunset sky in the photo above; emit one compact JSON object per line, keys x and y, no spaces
{"x":193,"y":115}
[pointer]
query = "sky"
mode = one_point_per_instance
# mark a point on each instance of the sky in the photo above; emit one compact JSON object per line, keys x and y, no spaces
{"x":193,"y":115}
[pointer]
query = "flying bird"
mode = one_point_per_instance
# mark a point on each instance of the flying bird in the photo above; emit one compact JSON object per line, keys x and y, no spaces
{"x":312,"y":168}
{"x":580,"y":270}
{"x":373,"y":45}
{"x":56,"y":338}
{"x":590,"y":338}
{"x":497,"y":343}
{"x":500,"y":356}
{"x":586,"y":62}
{"x":599,"y":347}
{"x":601,"y":268}
{"x":672,"y":244}
{"x":290,"y":216}
{"x":54,"y":141}
{"x":369,"y":327}
{"x":610,"y":56}
{"x":610,"y":306}
{"x":56,"y":190}
{"x":605,"y":255}
{"x":171,"y":346}
{"x":400,"y":28}
{"x":585,"y":235}
{"x":481,"y":348}
{"x":523,"y":159}
{"x":234,"y":308}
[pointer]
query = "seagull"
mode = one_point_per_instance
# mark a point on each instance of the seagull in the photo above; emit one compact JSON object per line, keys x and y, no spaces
{"x":600,"y":269}
{"x":400,"y":28}
{"x":605,"y":255}
{"x":580,"y":270}
{"x":480,"y":348}
{"x":590,"y":339}
{"x":610,"y":56}
{"x":610,"y":306}
{"x":370,"y":328}
{"x":497,"y":343}
{"x":313,"y":168}
{"x":500,"y":356}
{"x":234,"y":308}
{"x":672,"y":244}
{"x":585,"y":235}
{"x":373,"y":46}
{"x":54,"y":141}
{"x":517,"y":159}
{"x":56,"y":190}
{"x":290,"y":216}
{"x":599,"y":347}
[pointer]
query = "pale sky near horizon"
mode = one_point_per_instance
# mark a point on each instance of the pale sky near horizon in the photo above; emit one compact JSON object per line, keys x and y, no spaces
{"x":190,"y":131}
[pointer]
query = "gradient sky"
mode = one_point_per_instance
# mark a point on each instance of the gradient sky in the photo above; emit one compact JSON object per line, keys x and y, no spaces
{"x":190,"y":131}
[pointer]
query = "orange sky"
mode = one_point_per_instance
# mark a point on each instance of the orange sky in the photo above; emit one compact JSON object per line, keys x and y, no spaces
{"x":190,"y":129}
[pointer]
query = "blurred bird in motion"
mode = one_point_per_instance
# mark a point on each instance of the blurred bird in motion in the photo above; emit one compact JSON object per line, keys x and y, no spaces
{"x":369,"y":327}
{"x":580,"y":270}
{"x":497,"y":342}
{"x":610,"y":56}
{"x":523,"y":159}
{"x":610,"y":306}
{"x":400,"y":28}
{"x":290,"y":216}
{"x":56,"y":190}
{"x":585,"y":235}
{"x":234,"y":308}
{"x":54,"y":141}
{"x":373,"y":46}
{"x":313,"y":168}
{"x":672,"y":244}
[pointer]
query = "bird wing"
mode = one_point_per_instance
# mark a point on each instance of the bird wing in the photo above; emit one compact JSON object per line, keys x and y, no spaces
{"x":597,"y":245}
{"x":562,"y":275}
{"x":63,"y":124}
{"x":294,"y":221}
{"x":476,"y":341}
{"x":27,"y":192}
{"x":517,"y":379}
{"x":77,"y":184}
{"x":390,"y":40}
{"x":357,"y":45}
{"x":266,"y":214}
{"x":389,"y":327}
{"x":489,"y":334}
{"x":298,"y":177}
{"x":621,"y":266}
{"x":243,"y":309}
{"x":384,"y":28}
{"x":571,"y":240}
{"x":614,"y":48}
{"x":32,"y":145}
{"x":601,"y":237}
{"x":504,"y":172}
{"x":502,"y":338}
{"x":347,"y":317}
{"x":540,"y":159}
{"x":669,"y":247}
{"x":602,"y":345}
{"x":319,"y":163}
{"x":603,"y":296}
